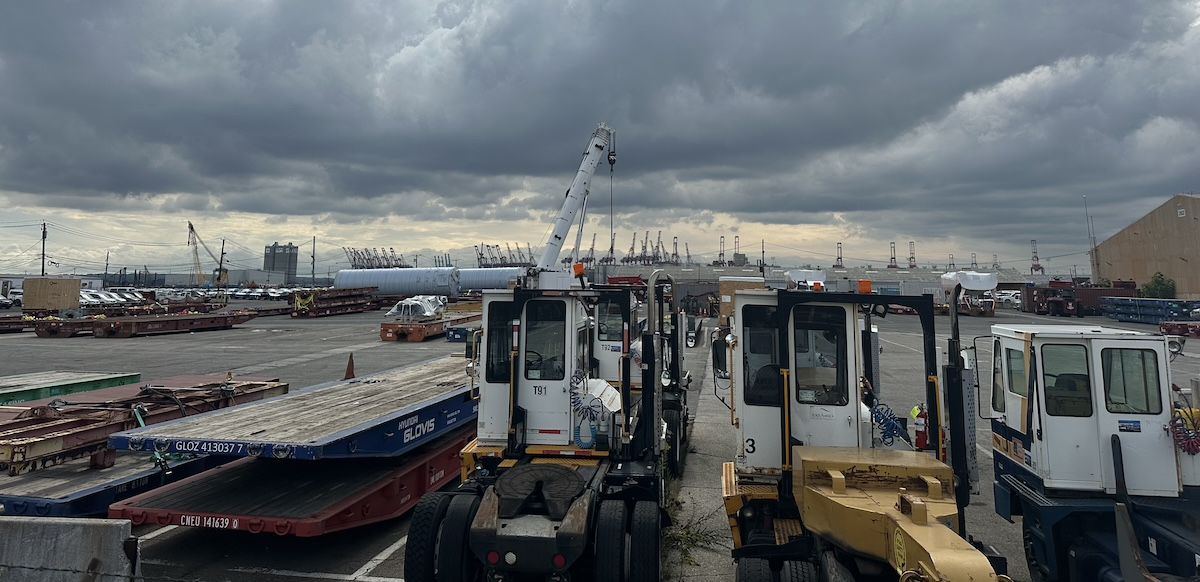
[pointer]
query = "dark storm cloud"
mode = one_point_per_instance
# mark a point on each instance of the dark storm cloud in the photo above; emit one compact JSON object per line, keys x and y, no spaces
{"x":897,"y":119}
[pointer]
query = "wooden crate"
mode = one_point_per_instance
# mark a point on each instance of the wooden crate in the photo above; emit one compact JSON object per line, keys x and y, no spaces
{"x":50,"y":293}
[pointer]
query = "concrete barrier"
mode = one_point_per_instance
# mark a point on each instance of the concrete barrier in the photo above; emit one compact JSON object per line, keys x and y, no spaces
{"x":54,"y":549}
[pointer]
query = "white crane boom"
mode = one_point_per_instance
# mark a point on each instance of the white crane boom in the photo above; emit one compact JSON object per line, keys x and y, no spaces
{"x":597,"y":147}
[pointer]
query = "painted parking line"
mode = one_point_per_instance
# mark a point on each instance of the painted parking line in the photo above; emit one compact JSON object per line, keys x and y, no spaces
{"x":158,"y":532}
{"x":314,"y":575}
{"x":380,"y":558}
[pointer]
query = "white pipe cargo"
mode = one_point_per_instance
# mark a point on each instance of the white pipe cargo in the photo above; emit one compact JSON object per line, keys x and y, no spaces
{"x":416,"y":281}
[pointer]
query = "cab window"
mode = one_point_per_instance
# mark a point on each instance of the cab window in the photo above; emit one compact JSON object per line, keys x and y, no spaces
{"x":1131,"y":381}
{"x":1017,"y":384}
{"x":997,"y":377}
{"x":609,"y":323}
{"x":1065,"y":376}
{"x":764,"y":384}
{"x":819,"y":358}
{"x":499,"y":340}
{"x":545,"y":340}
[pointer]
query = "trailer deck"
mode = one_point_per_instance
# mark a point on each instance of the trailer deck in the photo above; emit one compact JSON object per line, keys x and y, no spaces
{"x":75,"y":489}
{"x":385,"y":414}
{"x":300,"y":498}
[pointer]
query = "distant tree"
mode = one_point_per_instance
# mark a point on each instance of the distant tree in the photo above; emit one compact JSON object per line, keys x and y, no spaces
{"x":1159,"y":287}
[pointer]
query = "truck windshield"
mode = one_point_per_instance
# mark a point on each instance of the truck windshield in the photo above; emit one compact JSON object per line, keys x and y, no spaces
{"x":819,"y":355}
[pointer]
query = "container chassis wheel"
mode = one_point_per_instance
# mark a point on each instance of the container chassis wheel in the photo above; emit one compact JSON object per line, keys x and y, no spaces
{"x":420,"y":552}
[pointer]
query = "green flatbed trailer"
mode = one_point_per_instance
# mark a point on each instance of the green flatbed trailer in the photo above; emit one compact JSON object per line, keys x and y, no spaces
{"x":40,"y":385}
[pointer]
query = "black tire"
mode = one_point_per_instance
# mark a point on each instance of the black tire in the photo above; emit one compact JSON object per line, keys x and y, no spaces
{"x":610,"y":541}
{"x":456,"y":562}
{"x":754,"y":570}
{"x":1037,"y":572}
{"x":645,"y":531}
{"x":420,"y":552}
{"x":674,"y":442}
{"x":799,"y":572}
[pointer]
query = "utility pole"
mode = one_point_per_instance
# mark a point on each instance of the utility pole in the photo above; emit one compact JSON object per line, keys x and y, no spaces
{"x":314,"y":263}
{"x":221,"y":268}
{"x":104,"y":282}
{"x":43,"y":249}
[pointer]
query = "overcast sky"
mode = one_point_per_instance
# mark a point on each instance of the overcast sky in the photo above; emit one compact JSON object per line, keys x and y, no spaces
{"x":431,"y":127}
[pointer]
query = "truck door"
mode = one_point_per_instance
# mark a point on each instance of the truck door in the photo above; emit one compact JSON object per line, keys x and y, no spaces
{"x":1132,"y":403}
{"x":823,"y":353}
{"x":1068,"y":435}
{"x":543,"y":389}
{"x":761,"y":405}
{"x":1010,"y":397}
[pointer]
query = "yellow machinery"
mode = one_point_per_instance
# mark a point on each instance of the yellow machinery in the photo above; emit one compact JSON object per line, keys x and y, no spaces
{"x":820,"y":488}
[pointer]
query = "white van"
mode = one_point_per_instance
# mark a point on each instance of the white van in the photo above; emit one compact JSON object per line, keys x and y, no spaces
{"x":15,"y":296}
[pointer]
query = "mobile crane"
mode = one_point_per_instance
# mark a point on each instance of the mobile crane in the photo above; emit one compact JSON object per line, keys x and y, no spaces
{"x":824,"y":485}
{"x":577,"y":430}
{"x":1096,"y":449}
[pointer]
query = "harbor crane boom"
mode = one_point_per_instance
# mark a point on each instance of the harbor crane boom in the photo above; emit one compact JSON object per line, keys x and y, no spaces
{"x":597,"y":146}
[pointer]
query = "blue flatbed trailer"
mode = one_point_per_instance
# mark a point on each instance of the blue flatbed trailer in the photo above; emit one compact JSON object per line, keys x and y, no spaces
{"x":317,"y":460}
{"x":74,"y":489}
{"x":382,"y":415}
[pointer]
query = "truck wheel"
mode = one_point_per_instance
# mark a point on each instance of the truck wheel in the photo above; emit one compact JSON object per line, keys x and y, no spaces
{"x":420,"y":552}
{"x":799,"y":572}
{"x":754,"y":570}
{"x":610,"y":541}
{"x":455,"y":561}
{"x":644,"y":535}
{"x":674,"y":442}
{"x":1037,"y":572}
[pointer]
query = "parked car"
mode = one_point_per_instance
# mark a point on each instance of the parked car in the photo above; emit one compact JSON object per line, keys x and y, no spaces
{"x":5,"y":302}
{"x":1008,"y":298}
{"x":15,"y":296}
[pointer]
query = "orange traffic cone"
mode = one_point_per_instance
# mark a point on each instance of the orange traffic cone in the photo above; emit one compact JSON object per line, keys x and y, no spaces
{"x":350,"y":368}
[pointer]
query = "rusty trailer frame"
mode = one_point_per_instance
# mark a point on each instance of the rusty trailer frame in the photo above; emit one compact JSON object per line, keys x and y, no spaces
{"x":43,"y":433}
{"x":419,"y":331}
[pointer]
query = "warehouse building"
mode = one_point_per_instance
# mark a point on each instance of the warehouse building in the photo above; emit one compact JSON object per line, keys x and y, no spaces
{"x":1166,"y":240}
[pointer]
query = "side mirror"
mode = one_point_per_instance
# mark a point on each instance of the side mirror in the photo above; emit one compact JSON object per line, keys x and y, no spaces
{"x":1175,"y":344}
{"x":720,"y":366}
